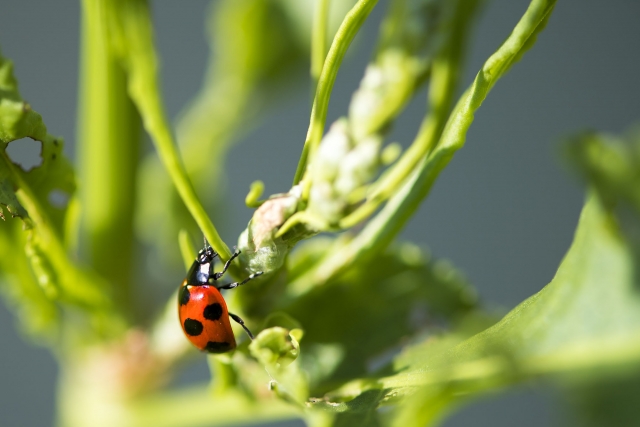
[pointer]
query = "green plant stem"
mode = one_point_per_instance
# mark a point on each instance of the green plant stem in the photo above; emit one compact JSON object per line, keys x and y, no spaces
{"x":189,"y":407}
{"x":255,"y":192}
{"x":489,"y":372}
{"x":141,"y":63}
{"x":319,"y":39}
{"x":109,"y":138}
{"x":341,"y":42}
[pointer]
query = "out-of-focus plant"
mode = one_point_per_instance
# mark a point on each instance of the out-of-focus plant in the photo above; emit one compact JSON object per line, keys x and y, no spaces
{"x":348,"y":323}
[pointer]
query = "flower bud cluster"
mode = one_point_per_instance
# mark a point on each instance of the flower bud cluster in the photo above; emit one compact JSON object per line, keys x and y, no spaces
{"x":387,"y":85}
{"x":341,"y":166}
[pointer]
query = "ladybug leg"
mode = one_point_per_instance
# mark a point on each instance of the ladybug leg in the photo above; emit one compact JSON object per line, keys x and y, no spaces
{"x":236,"y":284}
{"x":218,"y":275}
{"x":241,"y":323}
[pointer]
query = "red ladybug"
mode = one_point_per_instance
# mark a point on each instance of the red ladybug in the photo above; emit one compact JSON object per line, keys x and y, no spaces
{"x":203,"y":312}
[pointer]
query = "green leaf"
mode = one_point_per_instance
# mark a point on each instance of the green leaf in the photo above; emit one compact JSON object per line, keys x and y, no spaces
{"x":17,"y":119}
{"x":9,"y":200}
{"x":582,"y":329}
{"x":355,"y":320}
{"x":585,"y":324}
{"x":60,"y":280}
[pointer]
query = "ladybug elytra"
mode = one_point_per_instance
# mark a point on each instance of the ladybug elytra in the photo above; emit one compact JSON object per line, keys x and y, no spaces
{"x":204,"y":316}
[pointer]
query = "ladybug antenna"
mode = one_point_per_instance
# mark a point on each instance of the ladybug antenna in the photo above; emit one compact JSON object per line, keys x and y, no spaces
{"x":206,"y":254}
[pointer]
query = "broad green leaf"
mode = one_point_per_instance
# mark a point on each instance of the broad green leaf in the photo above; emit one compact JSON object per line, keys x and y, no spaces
{"x":583,"y":326}
{"x":582,"y":330}
{"x":352,"y":325}
{"x":17,"y":120}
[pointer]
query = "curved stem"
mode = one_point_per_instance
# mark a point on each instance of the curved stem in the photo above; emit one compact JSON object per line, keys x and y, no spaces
{"x":341,"y":42}
{"x":140,"y":59}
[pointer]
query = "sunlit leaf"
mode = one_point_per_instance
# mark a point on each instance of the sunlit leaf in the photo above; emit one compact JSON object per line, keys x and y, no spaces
{"x":582,"y":329}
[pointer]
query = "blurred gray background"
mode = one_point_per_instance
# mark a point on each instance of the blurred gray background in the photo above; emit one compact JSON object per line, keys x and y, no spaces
{"x":504,"y":211}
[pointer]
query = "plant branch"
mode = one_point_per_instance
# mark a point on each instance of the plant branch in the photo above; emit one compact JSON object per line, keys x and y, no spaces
{"x":341,"y":42}
{"x":139,"y":56}
{"x":381,"y":230}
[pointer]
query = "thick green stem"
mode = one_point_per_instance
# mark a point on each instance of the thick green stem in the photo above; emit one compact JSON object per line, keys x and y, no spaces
{"x":109,"y":139}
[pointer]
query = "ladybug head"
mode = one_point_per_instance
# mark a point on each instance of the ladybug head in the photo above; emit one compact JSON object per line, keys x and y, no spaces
{"x":206,"y":255}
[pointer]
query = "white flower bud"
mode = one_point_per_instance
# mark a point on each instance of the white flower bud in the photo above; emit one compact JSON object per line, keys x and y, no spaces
{"x":334,"y":146}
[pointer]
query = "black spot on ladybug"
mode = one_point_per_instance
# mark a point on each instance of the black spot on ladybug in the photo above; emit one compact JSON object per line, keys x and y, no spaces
{"x":212,"y":311}
{"x":192,"y":327}
{"x":184,"y":295}
{"x":217,"y":347}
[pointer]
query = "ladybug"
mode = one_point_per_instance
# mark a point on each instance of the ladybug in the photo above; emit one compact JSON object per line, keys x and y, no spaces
{"x":203,"y":312}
